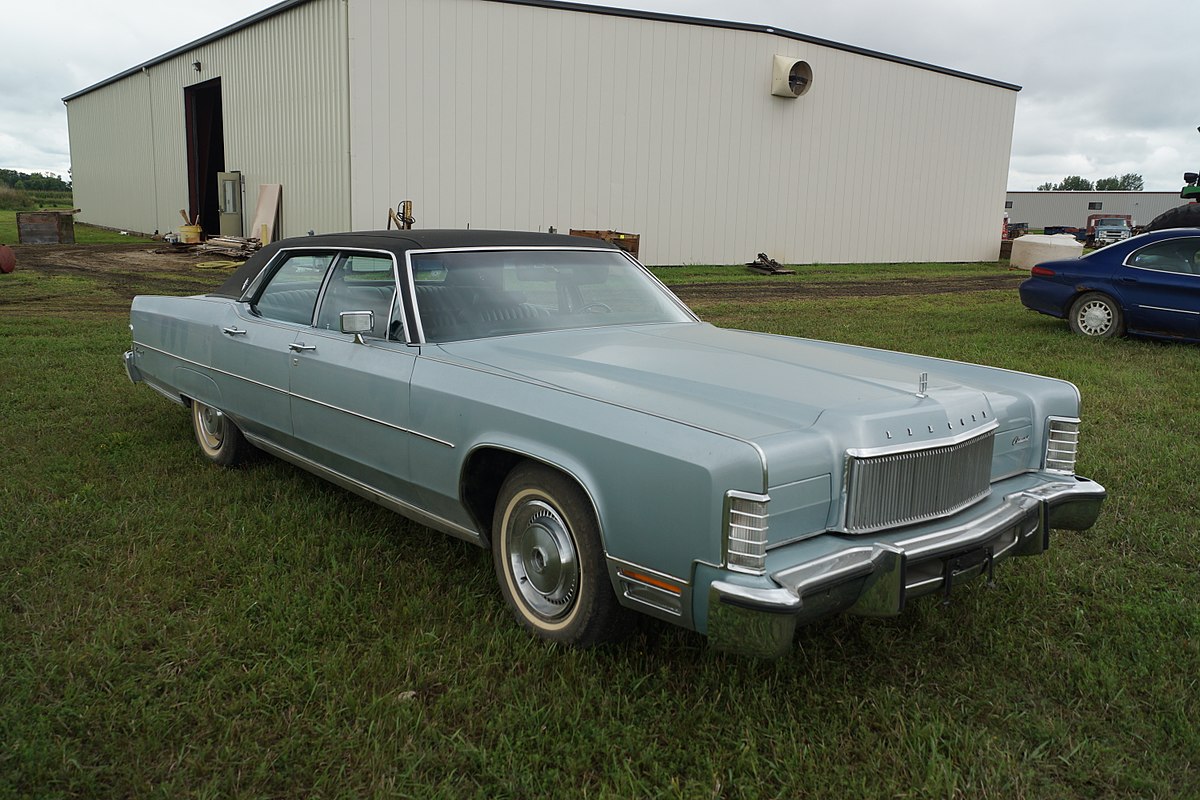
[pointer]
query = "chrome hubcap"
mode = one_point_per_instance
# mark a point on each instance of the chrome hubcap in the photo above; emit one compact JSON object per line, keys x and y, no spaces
{"x":211,"y":425}
{"x":1095,"y":318}
{"x":541,"y":555}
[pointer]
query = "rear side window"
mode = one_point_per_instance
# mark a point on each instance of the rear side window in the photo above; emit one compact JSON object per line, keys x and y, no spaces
{"x":359,"y":282}
{"x":291,"y":292}
{"x":1171,"y":255}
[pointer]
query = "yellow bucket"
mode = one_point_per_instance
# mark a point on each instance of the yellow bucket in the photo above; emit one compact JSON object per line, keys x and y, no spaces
{"x":190,"y":234}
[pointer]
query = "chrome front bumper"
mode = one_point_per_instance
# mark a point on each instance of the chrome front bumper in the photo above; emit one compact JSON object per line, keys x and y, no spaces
{"x":875,"y":575}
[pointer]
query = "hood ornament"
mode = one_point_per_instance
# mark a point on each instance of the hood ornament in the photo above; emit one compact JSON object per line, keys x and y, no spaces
{"x":923,"y":385}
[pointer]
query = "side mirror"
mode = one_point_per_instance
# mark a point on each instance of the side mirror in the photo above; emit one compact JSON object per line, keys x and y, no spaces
{"x":357,"y":322}
{"x":1190,"y":177}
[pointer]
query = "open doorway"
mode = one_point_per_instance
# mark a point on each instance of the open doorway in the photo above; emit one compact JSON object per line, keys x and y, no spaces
{"x":205,"y":151}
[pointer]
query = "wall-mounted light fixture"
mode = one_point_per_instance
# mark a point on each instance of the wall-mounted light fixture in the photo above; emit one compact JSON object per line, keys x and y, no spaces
{"x":196,"y":66}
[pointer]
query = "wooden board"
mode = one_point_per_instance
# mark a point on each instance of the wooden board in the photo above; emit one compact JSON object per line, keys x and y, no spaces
{"x":266,"y":212}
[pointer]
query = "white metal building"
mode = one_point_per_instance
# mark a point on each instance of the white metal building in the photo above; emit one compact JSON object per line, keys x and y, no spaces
{"x":713,"y":140}
{"x":1071,"y":209}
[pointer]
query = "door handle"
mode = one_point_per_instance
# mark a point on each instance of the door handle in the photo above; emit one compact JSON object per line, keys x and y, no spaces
{"x":233,"y":331}
{"x":1127,"y":280}
{"x":300,"y":348}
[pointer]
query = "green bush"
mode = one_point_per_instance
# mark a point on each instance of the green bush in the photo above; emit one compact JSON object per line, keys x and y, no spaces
{"x":45,"y":198}
{"x":15,"y":200}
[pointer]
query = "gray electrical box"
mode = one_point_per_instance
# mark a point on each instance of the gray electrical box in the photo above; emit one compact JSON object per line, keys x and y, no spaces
{"x":229,"y":189}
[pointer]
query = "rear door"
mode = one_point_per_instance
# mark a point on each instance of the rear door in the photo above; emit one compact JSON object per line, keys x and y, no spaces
{"x":350,"y":396}
{"x":1160,"y":288}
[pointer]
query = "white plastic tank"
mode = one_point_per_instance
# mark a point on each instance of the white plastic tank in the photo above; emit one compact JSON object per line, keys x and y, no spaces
{"x":1028,"y":251}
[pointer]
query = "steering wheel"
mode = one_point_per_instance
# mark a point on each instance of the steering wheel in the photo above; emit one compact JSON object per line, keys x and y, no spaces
{"x":597,"y":308}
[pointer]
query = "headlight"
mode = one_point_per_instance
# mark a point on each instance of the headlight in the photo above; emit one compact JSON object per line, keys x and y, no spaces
{"x":746,"y":531}
{"x":1062,"y":444}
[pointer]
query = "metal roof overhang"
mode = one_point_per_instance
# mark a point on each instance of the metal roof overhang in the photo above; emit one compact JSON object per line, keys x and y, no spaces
{"x":653,"y":16}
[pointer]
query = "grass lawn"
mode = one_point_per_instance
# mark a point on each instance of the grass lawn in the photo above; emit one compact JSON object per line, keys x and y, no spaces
{"x":84,"y":234}
{"x":169,"y":628}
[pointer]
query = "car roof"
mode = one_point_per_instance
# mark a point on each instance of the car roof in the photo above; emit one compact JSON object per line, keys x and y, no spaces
{"x":400,"y":242}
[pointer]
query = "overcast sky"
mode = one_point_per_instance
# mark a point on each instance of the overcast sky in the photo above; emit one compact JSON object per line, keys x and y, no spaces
{"x":1108,"y":88}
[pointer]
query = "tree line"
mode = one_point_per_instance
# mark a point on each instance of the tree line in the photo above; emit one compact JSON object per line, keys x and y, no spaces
{"x":1129,"y":182}
{"x":35,"y":182}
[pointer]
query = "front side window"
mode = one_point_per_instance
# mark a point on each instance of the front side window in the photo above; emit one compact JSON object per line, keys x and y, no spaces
{"x":477,"y":294}
{"x":359,"y":282}
{"x":1172,"y":255}
{"x":291,"y":292}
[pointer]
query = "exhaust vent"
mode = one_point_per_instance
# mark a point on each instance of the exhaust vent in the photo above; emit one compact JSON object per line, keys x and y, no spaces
{"x":790,"y":78}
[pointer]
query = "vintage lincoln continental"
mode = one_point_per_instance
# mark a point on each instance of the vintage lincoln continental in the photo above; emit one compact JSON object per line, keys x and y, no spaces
{"x":545,"y":396}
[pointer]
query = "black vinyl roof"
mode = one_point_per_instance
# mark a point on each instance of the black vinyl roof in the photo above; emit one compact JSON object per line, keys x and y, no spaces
{"x":399,"y":242}
{"x":286,"y":5}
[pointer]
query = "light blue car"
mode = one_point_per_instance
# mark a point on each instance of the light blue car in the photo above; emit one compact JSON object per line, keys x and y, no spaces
{"x":546,"y":397}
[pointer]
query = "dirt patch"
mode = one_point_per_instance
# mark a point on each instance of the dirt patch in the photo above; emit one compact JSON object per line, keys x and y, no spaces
{"x":125,"y":270}
{"x":783,"y":290}
{"x":121,"y":271}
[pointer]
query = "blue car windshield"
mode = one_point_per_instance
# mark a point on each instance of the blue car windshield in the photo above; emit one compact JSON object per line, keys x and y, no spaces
{"x":475,"y":294}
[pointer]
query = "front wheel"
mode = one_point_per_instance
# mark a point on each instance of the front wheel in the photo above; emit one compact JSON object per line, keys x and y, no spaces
{"x":549,"y":559}
{"x":220,"y":440}
{"x":1096,"y":315}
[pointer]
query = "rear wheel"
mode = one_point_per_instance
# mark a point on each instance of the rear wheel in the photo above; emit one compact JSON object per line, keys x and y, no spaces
{"x":549,"y":559}
{"x":1096,"y":315}
{"x":220,"y":440}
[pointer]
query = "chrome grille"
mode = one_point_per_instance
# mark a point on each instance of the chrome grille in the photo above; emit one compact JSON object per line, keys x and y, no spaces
{"x":903,"y":488}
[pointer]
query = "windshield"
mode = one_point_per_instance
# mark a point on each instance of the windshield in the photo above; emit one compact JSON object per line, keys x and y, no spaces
{"x":1111,"y":222}
{"x":476,"y":294}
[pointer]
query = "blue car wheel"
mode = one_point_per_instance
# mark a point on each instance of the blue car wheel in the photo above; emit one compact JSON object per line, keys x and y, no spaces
{"x":1096,"y":315}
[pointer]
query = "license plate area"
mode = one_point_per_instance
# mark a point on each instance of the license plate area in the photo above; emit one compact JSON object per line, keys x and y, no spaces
{"x":962,"y":567}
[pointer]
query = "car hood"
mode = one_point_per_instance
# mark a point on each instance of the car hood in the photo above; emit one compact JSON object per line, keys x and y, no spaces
{"x":749,"y":385}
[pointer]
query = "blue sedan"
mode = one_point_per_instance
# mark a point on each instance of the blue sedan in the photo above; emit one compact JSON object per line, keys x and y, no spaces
{"x":1147,"y":285}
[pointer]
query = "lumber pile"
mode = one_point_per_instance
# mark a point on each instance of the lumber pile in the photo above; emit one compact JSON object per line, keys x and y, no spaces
{"x":234,"y":246}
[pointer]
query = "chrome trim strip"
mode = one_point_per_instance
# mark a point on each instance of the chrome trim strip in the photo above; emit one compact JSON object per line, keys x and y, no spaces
{"x":217,"y":370}
{"x":1172,"y":310}
{"x":1016,"y":507}
{"x":366,"y":418}
{"x":333,"y":250}
{"x":895,"y":449}
{"x":364,"y":490}
{"x":165,"y":392}
{"x":287,"y":393}
{"x":622,"y":564}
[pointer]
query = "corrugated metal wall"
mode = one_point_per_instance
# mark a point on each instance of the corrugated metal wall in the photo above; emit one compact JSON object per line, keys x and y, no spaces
{"x":495,"y":115}
{"x":286,"y":116}
{"x":1040,"y":209}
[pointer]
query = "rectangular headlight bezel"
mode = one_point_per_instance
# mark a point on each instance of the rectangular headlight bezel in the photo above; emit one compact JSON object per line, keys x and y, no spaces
{"x":744,"y":529}
{"x":1062,"y":445}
